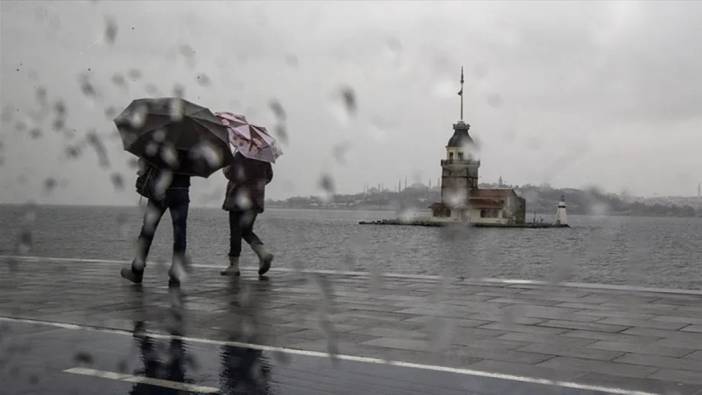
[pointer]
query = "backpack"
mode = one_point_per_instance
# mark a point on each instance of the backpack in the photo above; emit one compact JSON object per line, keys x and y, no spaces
{"x":146,"y":181}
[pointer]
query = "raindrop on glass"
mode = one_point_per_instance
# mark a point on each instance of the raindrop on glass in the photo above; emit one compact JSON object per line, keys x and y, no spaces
{"x":110,"y":30}
{"x":83,"y":358}
{"x":50,"y":184}
{"x":119,"y":80}
{"x":134,"y":74}
{"x":203,"y":79}
{"x":117,"y":181}
{"x":278,"y":110}
{"x":24,"y":242}
{"x":86,"y":86}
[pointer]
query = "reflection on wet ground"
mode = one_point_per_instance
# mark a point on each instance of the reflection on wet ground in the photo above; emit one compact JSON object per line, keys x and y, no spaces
{"x":94,"y":360}
{"x":177,"y":366}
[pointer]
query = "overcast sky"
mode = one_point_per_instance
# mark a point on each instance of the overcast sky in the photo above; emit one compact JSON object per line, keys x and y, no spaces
{"x":571,"y":94}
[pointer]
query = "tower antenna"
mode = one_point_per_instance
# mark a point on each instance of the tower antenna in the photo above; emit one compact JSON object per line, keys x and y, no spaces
{"x":460,"y":93}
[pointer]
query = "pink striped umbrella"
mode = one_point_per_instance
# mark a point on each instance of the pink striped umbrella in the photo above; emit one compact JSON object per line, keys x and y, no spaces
{"x":250,"y":140}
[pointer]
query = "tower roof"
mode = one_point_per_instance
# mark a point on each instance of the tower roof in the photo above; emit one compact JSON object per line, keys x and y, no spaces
{"x":460,"y":136}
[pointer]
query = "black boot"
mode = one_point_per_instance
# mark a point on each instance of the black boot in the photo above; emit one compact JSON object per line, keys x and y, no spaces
{"x":233,"y":268}
{"x":264,"y":258}
{"x":132,"y":274}
{"x":179,"y":268}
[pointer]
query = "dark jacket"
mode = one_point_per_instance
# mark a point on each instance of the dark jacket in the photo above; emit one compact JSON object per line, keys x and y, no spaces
{"x":155,"y":183}
{"x":247,"y":184}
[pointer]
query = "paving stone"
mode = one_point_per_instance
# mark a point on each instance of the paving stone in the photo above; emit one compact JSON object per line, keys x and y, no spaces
{"x":506,"y":317}
{"x":404,"y":344}
{"x":591,"y":365}
{"x":684,"y":376}
{"x":571,"y":351}
{"x":678,"y":342}
{"x":541,"y":311}
{"x":529,"y":301}
{"x":696,"y":309}
{"x":557,"y":293}
{"x":579,"y":305}
{"x":646,"y":323}
{"x":464,"y":300}
{"x":393,"y":333}
{"x":356,"y":320}
{"x":451,"y":357}
{"x":522,"y":328}
{"x":697,"y":355}
{"x":693,"y":337}
{"x":541,"y":338}
{"x":603,"y":313}
{"x":652,"y":309}
{"x":505,"y":355}
{"x":469,"y":323}
{"x":661,"y":362}
{"x":452,"y":310}
{"x":692,"y":328}
{"x":350,"y":307}
{"x":678,"y":318}
{"x":590,"y":326}
{"x":652,"y":349}
{"x":372,"y":314}
{"x":477,"y":333}
{"x":488,"y":344}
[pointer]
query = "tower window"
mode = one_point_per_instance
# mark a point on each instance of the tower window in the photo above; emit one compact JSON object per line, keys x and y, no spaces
{"x":450,"y":155}
{"x":460,"y":156}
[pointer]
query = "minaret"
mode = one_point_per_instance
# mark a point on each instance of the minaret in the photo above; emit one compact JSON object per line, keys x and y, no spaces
{"x":561,"y":217}
{"x":459,"y":175}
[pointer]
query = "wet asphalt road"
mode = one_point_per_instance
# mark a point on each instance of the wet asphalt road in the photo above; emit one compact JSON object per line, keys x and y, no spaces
{"x":35,"y":359}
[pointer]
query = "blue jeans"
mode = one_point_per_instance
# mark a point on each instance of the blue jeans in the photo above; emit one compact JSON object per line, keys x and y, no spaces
{"x":176,"y":201}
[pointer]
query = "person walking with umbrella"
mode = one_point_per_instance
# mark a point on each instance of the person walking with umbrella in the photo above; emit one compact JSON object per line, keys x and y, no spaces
{"x":174,"y":140}
{"x":172,"y":194}
{"x":248,"y":173}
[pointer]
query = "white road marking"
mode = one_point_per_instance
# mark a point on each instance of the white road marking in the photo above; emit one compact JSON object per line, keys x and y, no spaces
{"x":483,"y":280}
{"x":176,"y":385}
{"x":343,"y":357}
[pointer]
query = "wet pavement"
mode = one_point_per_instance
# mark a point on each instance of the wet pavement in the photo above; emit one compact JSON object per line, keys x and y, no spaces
{"x":73,"y":326}
{"x":74,"y":362}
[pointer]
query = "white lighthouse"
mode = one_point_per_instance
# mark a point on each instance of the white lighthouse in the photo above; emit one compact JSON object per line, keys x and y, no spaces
{"x":561,"y":216}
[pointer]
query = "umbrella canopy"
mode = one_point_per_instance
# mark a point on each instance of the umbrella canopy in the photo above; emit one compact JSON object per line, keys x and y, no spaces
{"x":175,"y":134}
{"x":252,"y":141}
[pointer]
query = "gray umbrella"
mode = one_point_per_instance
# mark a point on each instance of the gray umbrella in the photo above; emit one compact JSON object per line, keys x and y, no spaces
{"x":174,"y":134}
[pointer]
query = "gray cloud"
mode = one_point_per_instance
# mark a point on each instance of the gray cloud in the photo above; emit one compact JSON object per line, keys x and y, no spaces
{"x":573,"y":94}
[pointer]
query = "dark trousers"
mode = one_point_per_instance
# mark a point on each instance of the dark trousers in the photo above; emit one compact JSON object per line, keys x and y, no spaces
{"x":241,"y":226}
{"x":176,"y":201}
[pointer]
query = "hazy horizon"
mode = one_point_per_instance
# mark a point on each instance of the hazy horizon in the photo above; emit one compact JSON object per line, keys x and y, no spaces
{"x":570,"y":94}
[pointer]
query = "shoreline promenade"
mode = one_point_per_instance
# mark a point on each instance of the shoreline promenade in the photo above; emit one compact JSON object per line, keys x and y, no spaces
{"x":487,"y":336}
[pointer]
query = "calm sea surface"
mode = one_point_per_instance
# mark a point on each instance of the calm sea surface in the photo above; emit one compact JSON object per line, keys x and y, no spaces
{"x":661,"y":252}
